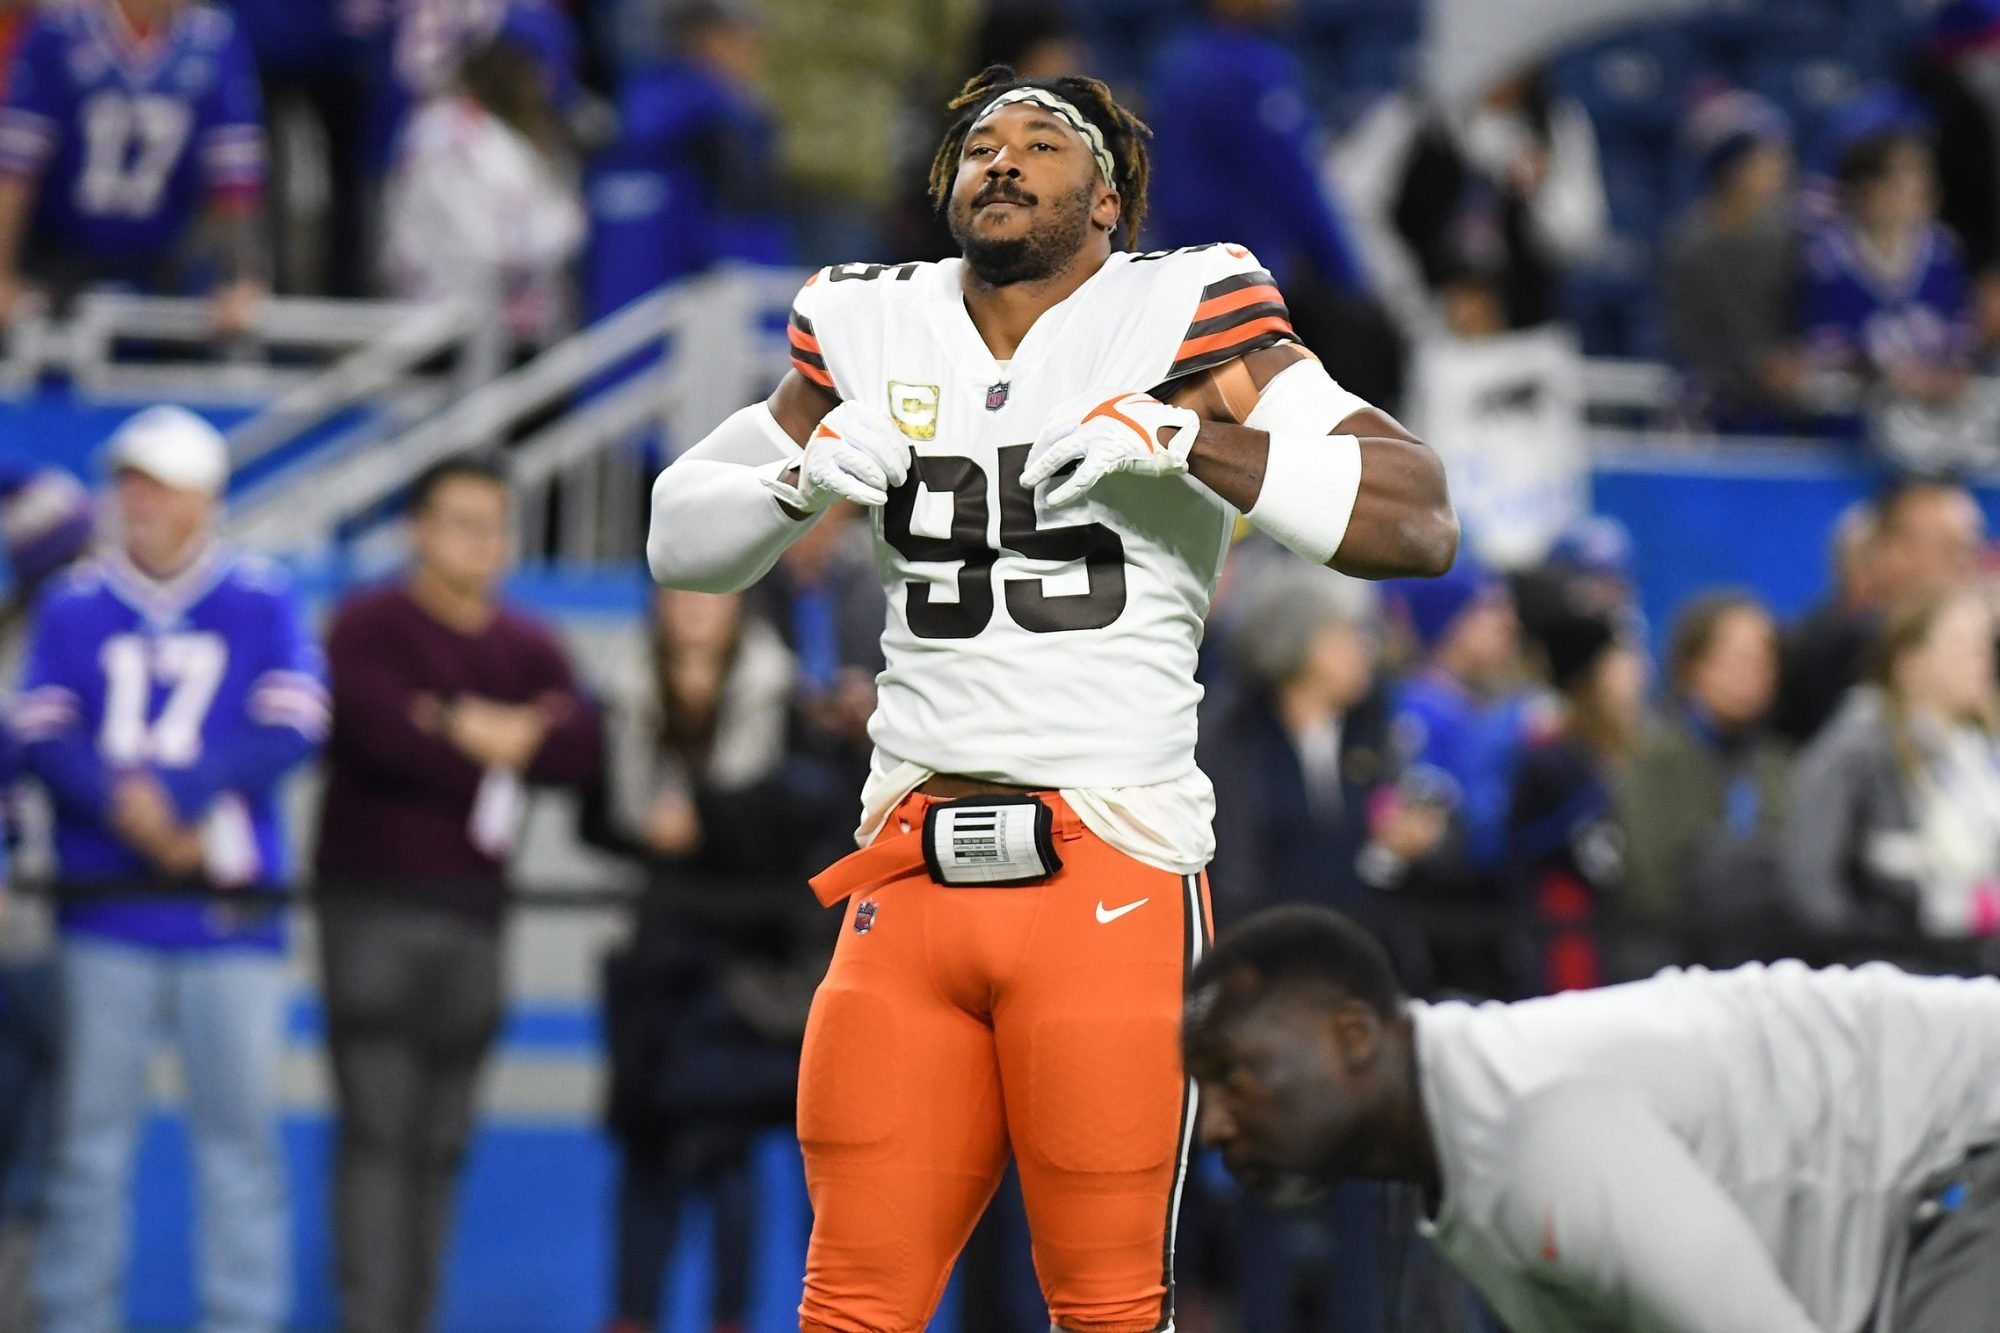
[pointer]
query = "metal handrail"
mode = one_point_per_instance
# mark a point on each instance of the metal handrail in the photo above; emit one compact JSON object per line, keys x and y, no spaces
{"x":85,"y":346}
{"x":712,"y":324}
{"x":370,"y":370}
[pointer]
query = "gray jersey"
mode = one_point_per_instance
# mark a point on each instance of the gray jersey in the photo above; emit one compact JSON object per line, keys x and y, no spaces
{"x":1729,"y":1152}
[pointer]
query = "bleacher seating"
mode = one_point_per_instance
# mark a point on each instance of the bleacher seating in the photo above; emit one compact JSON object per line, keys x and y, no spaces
{"x":1806,"y":55}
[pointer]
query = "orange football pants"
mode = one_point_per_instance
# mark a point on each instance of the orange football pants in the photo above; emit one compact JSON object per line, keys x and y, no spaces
{"x":955,"y":1023}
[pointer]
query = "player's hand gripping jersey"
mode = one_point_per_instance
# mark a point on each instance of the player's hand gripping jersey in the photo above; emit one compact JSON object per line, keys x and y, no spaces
{"x":1046,"y":646}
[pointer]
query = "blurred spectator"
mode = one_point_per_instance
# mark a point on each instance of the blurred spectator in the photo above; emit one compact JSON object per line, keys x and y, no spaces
{"x":168,"y":689}
{"x":691,"y":180}
{"x":1460,"y":723}
{"x":123,"y":119}
{"x":1955,"y":74}
{"x":1588,"y":569}
{"x":854,"y":83}
{"x":1928,"y":540}
{"x":1236,"y":158}
{"x":27,"y":1062}
{"x":1562,"y":835}
{"x":1730,"y":273}
{"x":825,"y":598}
{"x":1460,"y":711}
{"x":1301,"y":756}
{"x":1919,"y":538}
{"x":1885,"y":293}
{"x":1895,"y":812}
{"x":1703,"y":807}
{"x":482,"y":203}
{"x":1475,"y":216}
{"x":1234,"y":155}
{"x":15,"y":16}
{"x":448,"y":704}
{"x":706,"y":1007}
{"x":313,"y":57}
{"x":426,"y":41}
{"x":46,"y":522}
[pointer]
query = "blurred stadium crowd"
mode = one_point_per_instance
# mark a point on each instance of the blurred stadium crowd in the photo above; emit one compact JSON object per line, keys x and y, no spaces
{"x":1790,"y":200}
{"x":1524,"y":784}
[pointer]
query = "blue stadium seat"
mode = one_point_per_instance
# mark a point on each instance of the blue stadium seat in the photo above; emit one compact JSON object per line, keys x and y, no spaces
{"x":1732,"y":30}
{"x":1808,"y":85}
{"x":1611,"y":306}
{"x":1634,"y":85}
{"x":1317,"y":14}
{"x":1890,"y":27}
{"x":1634,"y":189}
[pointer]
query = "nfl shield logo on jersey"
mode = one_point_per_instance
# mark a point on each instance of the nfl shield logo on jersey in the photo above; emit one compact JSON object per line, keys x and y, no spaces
{"x":864,"y":918}
{"x":996,"y":397}
{"x":915,"y":409}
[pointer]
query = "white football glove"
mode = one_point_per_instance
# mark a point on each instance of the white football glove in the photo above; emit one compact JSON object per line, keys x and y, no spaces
{"x":855,"y":453}
{"x":1120,"y":434}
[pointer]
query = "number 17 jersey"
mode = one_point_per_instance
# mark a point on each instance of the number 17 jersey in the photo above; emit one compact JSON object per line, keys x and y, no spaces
{"x":1053,"y":648}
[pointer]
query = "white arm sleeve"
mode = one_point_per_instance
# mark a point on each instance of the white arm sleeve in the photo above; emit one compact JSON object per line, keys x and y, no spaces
{"x":1604,"y":1200}
{"x":1311,"y":476}
{"x":716,"y":526}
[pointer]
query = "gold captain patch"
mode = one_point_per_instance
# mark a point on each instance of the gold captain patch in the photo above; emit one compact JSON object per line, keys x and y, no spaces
{"x":915,"y":409}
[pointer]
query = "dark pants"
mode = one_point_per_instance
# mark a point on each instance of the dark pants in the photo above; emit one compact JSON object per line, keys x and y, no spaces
{"x":1950,"y":1275}
{"x":656,"y":1184}
{"x":337,"y":101}
{"x":413,"y":1002}
{"x":1318,"y":1268}
{"x":27,"y":1067}
{"x":27,"y":1085}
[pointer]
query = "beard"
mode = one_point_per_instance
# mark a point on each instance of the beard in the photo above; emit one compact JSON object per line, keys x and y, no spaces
{"x":1043,"y":252}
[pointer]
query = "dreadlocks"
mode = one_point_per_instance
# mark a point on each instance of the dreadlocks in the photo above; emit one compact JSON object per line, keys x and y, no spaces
{"x":1124,"y":134}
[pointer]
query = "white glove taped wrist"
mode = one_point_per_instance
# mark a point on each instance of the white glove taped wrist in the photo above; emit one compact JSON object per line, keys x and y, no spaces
{"x":855,"y":453}
{"x":1127,"y":432}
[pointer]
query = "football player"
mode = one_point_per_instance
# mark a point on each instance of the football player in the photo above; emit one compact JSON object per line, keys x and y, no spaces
{"x":1054,"y":438}
{"x":1765,"y":1150}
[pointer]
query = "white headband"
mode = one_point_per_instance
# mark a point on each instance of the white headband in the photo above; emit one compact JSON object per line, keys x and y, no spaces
{"x":1076,"y":120}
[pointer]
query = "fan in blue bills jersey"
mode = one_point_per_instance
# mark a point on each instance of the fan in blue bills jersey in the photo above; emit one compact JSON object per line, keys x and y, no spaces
{"x":1886,"y":296}
{"x":124,"y":120}
{"x":205,"y":682}
{"x":1885,"y":292}
{"x":1873,"y":322}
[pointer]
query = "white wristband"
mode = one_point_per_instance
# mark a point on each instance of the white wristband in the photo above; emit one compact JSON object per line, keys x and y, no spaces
{"x":1310,"y":485}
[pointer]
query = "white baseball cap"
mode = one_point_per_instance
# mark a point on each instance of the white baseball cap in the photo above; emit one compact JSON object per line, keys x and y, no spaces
{"x":174,"y":447}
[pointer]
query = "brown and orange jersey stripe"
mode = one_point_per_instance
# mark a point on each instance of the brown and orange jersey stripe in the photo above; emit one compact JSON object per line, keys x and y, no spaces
{"x":1240,"y":314}
{"x":806,"y":356}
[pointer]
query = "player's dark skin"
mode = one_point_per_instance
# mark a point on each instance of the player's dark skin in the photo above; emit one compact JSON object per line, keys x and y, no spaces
{"x":1016,"y":173}
{"x":1305,"y":1087}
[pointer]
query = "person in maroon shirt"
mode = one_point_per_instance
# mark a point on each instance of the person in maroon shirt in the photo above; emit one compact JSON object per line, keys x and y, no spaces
{"x":447,"y":705}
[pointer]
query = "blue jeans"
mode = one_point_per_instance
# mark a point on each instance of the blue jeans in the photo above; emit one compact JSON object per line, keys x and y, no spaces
{"x":226,"y":1011}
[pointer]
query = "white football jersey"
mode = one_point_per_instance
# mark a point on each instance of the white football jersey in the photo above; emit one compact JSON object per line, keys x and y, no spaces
{"x":1049,"y":648}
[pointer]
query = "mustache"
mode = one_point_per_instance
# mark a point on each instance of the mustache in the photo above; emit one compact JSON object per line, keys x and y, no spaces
{"x":1003,"y":192}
